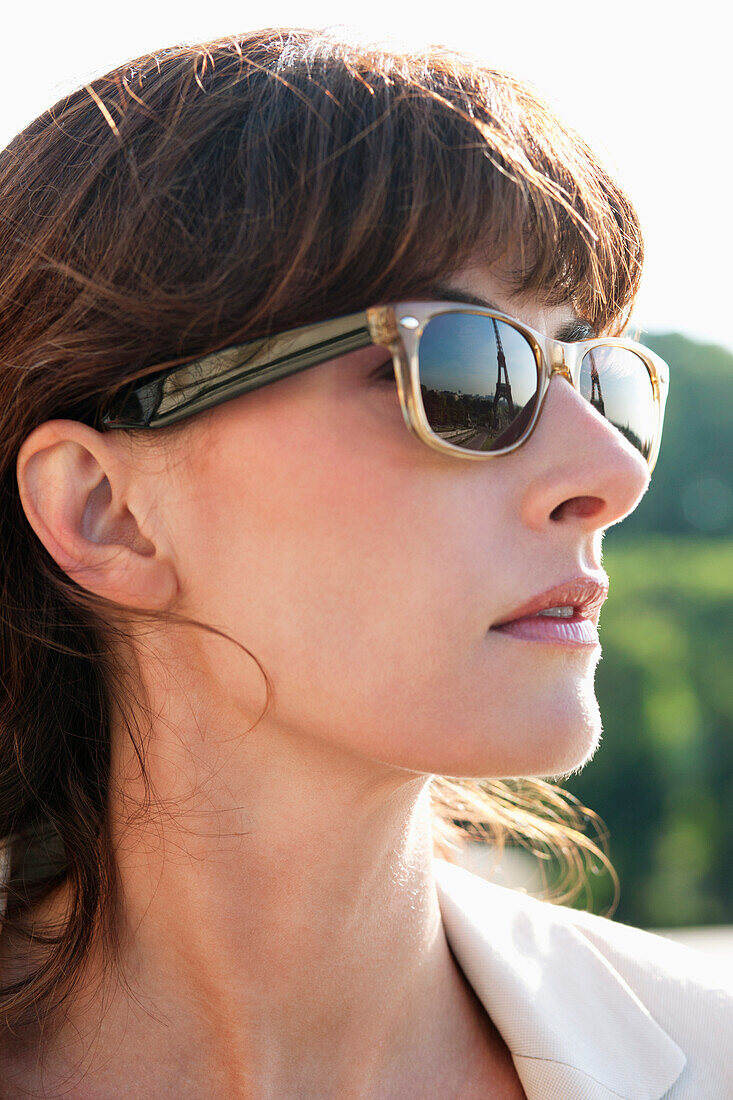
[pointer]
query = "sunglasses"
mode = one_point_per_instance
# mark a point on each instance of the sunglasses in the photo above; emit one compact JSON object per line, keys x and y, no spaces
{"x":471,"y":381}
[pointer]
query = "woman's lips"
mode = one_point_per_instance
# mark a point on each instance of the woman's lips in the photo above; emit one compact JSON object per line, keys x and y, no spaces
{"x":573,"y":631}
{"x":584,"y":595}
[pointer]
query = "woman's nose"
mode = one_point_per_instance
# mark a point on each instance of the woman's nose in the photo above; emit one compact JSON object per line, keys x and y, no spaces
{"x":582,"y":469}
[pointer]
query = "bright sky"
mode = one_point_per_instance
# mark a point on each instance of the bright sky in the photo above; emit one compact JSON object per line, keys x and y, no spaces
{"x":647,"y":85}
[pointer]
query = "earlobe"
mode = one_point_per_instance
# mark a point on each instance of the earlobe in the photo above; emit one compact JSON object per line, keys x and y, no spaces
{"x":74,"y":489}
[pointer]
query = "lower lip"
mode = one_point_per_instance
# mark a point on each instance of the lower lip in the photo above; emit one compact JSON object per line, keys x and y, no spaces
{"x":544,"y":628}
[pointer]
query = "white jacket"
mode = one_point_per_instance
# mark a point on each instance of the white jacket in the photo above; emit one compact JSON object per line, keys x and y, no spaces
{"x":590,"y":1009}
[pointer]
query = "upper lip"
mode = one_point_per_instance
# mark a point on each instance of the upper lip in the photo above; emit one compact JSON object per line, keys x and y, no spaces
{"x":585,"y":594}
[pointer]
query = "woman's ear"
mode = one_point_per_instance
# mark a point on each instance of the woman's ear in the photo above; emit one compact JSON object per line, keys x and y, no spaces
{"x":74,"y":488}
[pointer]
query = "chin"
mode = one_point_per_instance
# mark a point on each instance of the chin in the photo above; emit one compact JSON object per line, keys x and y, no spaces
{"x":565,"y":724}
{"x":570,"y":747}
{"x":552,"y":739}
{"x":529,"y":747}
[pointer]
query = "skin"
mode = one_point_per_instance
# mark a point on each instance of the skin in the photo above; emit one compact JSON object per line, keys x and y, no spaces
{"x":284,"y":935}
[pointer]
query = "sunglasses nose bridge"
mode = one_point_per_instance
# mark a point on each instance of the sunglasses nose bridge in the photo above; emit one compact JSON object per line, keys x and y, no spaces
{"x":558,"y":361}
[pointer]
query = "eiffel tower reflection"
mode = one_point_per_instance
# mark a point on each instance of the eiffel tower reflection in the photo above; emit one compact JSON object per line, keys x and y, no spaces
{"x":503,"y":391}
{"x":596,"y":395}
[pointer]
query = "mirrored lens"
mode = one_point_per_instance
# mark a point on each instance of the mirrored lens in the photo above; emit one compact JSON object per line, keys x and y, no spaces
{"x":617,"y":383}
{"x":478,"y":380}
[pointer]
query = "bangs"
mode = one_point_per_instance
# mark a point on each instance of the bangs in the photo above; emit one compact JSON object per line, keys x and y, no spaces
{"x":411,"y":165}
{"x":208,"y":195}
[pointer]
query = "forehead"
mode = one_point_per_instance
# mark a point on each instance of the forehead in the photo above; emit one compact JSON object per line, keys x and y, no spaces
{"x":483,"y":286}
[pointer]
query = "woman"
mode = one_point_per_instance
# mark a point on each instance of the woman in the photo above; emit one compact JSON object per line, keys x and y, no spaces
{"x":251,"y":629}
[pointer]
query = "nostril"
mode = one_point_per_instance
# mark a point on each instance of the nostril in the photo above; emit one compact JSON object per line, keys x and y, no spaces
{"x":578,"y":507}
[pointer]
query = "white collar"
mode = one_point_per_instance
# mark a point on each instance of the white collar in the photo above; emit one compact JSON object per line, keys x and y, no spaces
{"x":572,"y":1024}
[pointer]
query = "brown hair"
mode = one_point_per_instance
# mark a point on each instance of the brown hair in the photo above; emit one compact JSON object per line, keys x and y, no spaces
{"x":191,"y":199}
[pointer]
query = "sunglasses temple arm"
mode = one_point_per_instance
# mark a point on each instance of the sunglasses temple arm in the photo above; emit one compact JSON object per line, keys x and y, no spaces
{"x":231,"y":372}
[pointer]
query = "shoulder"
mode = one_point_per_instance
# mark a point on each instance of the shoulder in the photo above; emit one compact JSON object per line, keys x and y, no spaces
{"x":651,"y":960}
{"x":688,"y":993}
{"x":625,"y":980}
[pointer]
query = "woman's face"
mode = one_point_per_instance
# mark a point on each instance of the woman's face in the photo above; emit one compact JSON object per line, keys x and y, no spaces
{"x":365,"y":570}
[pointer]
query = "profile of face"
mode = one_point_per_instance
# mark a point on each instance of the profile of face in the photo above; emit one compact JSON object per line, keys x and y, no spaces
{"x":365,"y":571}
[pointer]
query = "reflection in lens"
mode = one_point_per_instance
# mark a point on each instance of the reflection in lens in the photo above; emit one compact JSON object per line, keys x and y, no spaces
{"x":478,"y":380}
{"x":617,"y":383}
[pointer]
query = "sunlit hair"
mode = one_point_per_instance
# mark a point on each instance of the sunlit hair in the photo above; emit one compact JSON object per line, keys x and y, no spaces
{"x":194,"y":198}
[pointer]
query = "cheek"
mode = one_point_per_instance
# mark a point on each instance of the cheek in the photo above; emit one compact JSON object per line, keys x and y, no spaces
{"x":358,"y":576}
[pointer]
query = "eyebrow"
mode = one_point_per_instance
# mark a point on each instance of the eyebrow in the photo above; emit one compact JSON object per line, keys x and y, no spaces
{"x":569,"y":332}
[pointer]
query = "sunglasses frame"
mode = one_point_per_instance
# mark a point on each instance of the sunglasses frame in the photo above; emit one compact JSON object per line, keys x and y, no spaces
{"x":173,"y":392}
{"x":552,"y":357}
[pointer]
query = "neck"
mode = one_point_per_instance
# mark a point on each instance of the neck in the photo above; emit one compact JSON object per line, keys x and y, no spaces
{"x":281,"y":933}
